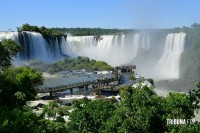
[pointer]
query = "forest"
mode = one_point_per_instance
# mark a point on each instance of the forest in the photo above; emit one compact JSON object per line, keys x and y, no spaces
{"x":139,"y":110}
{"x":91,"y":31}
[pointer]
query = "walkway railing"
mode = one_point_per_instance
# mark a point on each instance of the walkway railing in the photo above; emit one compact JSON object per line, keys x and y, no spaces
{"x":64,"y":87}
{"x":74,"y":85}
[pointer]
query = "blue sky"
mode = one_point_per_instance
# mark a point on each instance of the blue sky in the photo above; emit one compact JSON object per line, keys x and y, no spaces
{"x":99,"y":13}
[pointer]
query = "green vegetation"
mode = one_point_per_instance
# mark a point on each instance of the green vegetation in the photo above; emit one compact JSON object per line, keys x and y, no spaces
{"x":8,"y":49}
{"x":71,"y":64}
{"x":140,"y":110}
{"x":89,"y":116}
{"x":132,"y":77}
{"x":18,"y":86}
{"x":190,"y":64}
{"x":46,"y":32}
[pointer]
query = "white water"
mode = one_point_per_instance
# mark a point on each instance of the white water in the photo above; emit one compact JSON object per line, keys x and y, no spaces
{"x":136,"y":38}
{"x":9,"y":35}
{"x":54,"y":48}
{"x":146,"y":41}
{"x":108,"y":48}
{"x":65,"y":49}
{"x":168,"y":65}
{"x":78,"y":43}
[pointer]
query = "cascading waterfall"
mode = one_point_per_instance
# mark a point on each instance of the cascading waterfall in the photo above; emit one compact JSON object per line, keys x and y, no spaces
{"x":122,"y":41}
{"x":38,"y":47}
{"x":116,"y":41}
{"x":54,"y":48}
{"x":109,"y":48}
{"x":64,"y":46}
{"x":168,"y":65}
{"x":136,"y":39}
{"x":146,"y":41}
{"x":34,"y":46}
{"x":138,"y":48}
{"x":105,"y":41}
{"x":77,"y":43}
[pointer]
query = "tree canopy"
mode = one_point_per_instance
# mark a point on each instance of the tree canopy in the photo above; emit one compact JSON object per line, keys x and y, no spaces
{"x":18,"y":85}
{"x":8,"y":49}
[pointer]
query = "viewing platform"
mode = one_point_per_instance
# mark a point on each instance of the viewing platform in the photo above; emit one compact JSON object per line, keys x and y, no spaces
{"x":127,"y":68}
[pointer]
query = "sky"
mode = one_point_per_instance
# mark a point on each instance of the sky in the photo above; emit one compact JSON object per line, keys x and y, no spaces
{"x":121,"y":14}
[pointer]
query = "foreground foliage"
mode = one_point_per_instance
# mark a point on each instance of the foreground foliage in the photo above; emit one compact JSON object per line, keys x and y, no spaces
{"x":17,"y":85}
{"x":89,"y":116}
{"x":8,"y":49}
{"x":140,"y":110}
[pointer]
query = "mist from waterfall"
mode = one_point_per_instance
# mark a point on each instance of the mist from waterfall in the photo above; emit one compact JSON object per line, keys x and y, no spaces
{"x":108,"y":48}
{"x":138,"y":49}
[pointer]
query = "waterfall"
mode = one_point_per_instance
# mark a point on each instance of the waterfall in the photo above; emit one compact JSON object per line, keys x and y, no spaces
{"x":54,"y":48}
{"x":115,"y":43}
{"x":146,"y":41}
{"x":34,"y":46}
{"x":77,"y":43}
{"x":106,"y":41}
{"x":65,"y":49}
{"x":122,"y":41}
{"x":168,"y":65}
{"x":37,"y":46}
{"x":136,"y":39}
{"x":154,"y":57}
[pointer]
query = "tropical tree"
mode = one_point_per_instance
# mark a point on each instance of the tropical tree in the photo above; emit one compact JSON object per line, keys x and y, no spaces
{"x":17,"y":85}
{"x":8,"y":49}
{"x":89,"y":116}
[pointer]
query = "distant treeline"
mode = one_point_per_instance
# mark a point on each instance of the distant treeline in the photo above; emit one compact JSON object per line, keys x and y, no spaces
{"x":90,"y":31}
{"x":73,"y":31}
